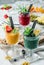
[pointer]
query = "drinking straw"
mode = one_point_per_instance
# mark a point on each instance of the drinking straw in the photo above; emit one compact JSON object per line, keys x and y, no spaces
{"x":33,"y":27}
{"x":34,"y":24}
{"x":11,"y":22}
{"x":30,"y":7}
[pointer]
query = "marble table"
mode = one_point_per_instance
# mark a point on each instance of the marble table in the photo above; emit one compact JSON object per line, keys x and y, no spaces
{"x":3,"y":61}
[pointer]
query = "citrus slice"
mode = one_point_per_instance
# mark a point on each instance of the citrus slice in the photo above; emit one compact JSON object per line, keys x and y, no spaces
{"x":26,"y":63}
{"x":8,"y":57}
{"x":36,"y":32}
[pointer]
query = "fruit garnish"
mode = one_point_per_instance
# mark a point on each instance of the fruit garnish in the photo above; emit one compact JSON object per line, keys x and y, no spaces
{"x":26,"y":63}
{"x":27,"y":30}
{"x":8,"y":29}
{"x":5,"y":5}
{"x":33,"y":17}
{"x":7,"y":8}
{"x":37,"y":9}
{"x":2,"y":8}
{"x":8,"y":57}
{"x":40,"y":20}
{"x":15,"y":30}
{"x":22,"y":9}
{"x":36,"y":32}
{"x":5,"y":16}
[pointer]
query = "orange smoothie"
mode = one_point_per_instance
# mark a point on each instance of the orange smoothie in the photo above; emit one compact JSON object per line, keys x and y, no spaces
{"x":12,"y":37}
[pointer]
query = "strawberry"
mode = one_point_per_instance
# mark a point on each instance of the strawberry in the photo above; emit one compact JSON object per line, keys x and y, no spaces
{"x":5,"y":16}
{"x":6,"y":8}
{"x":2,"y":8}
{"x":8,"y":29}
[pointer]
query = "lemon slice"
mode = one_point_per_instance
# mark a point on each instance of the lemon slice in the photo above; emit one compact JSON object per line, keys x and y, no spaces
{"x":26,"y":63}
{"x":40,"y":19}
{"x":36,"y":32}
{"x":8,"y":57}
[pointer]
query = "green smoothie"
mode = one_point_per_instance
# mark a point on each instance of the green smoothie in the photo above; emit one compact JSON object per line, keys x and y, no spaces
{"x":30,"y":39}
{"x":31,"y":42}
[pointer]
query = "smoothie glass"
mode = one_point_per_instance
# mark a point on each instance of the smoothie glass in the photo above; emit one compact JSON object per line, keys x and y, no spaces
{"x":24,"y":19}
{"x":12,"y":39}
{"x":24,"y":16}
{"x":31,"y":43}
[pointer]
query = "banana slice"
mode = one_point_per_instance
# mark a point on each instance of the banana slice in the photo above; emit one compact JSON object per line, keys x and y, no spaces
{"x":40,"y":19}
{"x":26,"y":63}
{"x":8,"y":57}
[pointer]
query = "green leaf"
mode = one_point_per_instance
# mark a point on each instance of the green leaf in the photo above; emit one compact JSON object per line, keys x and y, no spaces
{"x":27,"y":30}
{"x":5,"y":5}
{"x":15,"y":31}
{"x":22,"y":9}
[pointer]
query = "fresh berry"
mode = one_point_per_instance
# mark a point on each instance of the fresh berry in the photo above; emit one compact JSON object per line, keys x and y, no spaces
{"x":5,"y":16}
{"x":7,"y":8}
{"x":2,"y":8}
{"x":15,"y":60}
{"x":23,"y":52}
{"x":8,"y":29}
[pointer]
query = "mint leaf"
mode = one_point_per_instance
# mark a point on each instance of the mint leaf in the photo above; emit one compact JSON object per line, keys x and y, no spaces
{"x":5,"y":5}
{"x":22,"y":9}
{"x":27,"y":30}
{"x":15,"y":31}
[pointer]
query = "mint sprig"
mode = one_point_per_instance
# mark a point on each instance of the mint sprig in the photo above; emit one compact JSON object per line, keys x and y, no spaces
{"x":15,"y":31}
{"x":22,"y":9}
{"x":27,"y":30}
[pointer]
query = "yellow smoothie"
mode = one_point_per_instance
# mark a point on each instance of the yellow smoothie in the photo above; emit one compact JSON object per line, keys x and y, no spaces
{"x":12,"y":38}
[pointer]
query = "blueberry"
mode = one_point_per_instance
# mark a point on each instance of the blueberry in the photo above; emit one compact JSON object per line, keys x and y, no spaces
{"x":23,"y":52}
{"x":15,"y":60}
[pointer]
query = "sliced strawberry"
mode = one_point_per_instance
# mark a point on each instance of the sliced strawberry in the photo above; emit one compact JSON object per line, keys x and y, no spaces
{"x":5,"y":16}
{"x":8,"y":29}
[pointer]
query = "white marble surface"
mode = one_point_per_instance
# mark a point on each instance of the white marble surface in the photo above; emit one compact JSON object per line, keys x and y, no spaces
{"x":3,"y":61}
